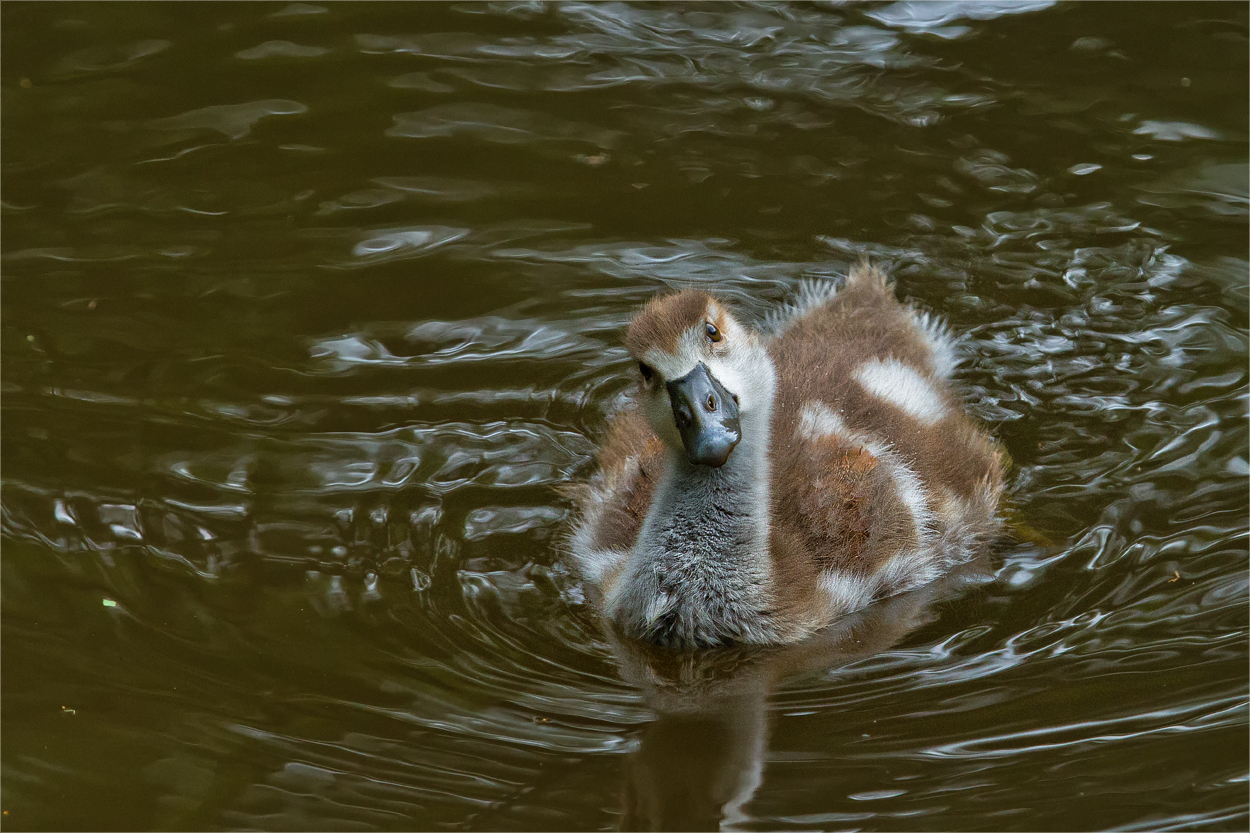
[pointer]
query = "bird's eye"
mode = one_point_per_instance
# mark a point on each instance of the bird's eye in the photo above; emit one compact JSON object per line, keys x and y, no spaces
{"x":646,"y":371}
{"x":713,"y":334}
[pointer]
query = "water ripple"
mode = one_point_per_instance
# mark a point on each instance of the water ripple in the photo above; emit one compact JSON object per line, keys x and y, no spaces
{"x":287,"y":423}
{"x":502,"y":125}
{"x":234,"y":121}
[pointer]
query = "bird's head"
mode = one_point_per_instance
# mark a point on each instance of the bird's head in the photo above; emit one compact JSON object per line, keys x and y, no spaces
{"x":703,"y":374}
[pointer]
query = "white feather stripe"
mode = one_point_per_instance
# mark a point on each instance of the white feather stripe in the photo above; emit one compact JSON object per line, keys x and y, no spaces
{"x":847,"y":592}
{"x":812,"y":294}
{"x":943,"y":346}
{"x":904,"y":388}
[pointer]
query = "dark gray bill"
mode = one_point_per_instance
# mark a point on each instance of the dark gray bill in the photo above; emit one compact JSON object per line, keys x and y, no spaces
{"x":707,"y":417}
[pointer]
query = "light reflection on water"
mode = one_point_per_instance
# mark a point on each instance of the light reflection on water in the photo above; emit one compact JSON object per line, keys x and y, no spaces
{"x":309,"y":312}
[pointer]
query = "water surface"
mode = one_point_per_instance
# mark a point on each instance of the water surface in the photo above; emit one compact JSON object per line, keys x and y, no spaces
{"x":309,"y":310}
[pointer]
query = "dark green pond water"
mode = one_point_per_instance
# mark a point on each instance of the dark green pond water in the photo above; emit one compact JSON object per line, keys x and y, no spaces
{"x":308,"y":311}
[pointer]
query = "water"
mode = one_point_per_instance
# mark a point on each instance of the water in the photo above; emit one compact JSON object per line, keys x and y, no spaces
{"x":308,"y":312}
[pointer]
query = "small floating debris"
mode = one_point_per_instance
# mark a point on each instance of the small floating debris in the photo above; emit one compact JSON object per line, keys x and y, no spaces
{"x":109,"y":603}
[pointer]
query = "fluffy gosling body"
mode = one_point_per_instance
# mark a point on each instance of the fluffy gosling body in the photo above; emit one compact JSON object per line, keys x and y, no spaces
{"x":766,"y":483}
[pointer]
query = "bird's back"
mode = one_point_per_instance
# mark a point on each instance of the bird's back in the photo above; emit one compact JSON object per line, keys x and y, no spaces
{"x":880,"y":479}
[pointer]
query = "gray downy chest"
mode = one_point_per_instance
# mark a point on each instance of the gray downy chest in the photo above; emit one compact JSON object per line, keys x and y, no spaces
{"x":702,"y":576}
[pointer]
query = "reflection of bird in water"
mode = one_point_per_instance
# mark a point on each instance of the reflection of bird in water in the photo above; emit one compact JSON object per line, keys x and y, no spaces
{"x":767,"y":483}
{"x":702,"y":759}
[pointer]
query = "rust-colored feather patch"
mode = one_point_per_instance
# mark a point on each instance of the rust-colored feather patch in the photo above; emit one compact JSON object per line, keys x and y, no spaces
{"x":662,"y":321}
{"x":630,"y":441}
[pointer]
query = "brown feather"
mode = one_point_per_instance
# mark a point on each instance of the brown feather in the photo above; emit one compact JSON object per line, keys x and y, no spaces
{"x":630,"y":440}
{"x":843,"y":515}
{"x":664,"y":319}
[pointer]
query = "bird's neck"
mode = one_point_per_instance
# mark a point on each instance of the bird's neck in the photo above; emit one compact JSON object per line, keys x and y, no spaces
{"x":724,"y":509}
{"x":704,"y":546}
{"x":720,"y":512}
